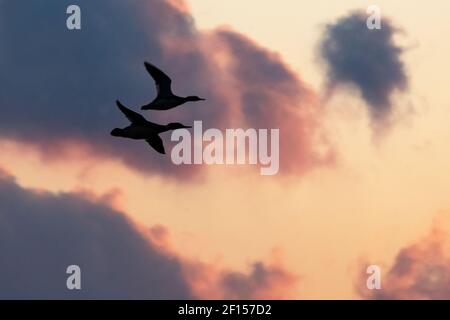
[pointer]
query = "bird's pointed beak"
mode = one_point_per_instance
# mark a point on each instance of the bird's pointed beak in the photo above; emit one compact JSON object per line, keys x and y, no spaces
{"x":187,"y":127}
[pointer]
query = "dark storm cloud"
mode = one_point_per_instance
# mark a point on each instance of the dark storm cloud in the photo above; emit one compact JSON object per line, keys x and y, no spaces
{"x":43,"y":233}
{"x":60,"y":85}
{"x":367,"y":59}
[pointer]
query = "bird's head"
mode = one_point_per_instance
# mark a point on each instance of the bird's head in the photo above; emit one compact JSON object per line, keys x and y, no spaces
{"x":194,"y":98}
{"x":177,"y":125}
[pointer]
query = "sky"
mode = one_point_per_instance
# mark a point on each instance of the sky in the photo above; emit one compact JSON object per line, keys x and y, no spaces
{"x":363,"y":118}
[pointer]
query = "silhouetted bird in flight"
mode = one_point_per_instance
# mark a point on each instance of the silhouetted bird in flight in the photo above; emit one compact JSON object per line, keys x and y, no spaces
{"x":165,"y":99}
{"x":141,"y":129}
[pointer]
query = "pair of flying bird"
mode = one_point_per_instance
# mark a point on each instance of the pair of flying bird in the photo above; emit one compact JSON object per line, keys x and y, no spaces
{"x":140,"y":128}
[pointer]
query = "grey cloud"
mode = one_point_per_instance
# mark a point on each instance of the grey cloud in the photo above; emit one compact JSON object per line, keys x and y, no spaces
{"x":42,"y":233}
{"x":367,"y":59}
{"x":60,"y":85}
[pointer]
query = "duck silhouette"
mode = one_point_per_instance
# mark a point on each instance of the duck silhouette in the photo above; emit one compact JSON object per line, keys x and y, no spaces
{"x":165,"y":99}
{"x":141,"y":129}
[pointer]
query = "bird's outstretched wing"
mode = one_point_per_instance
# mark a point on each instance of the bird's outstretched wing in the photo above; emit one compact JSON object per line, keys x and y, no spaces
{"x":162,"y":81}
{"x":134,"y":117}
{"x":156,"y":143}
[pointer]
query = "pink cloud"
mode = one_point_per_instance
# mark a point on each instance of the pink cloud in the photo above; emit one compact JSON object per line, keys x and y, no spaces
{"x":419,"y":271}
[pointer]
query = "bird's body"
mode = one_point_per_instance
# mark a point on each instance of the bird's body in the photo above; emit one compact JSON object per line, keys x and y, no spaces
{"x":138,"y":132}
{"x":141,"y":129}
{"x":165,"y":98}
{"x":166,"y":103}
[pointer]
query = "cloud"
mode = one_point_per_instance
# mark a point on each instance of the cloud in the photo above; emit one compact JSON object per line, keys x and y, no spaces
{"x":59,"y":86}
{"x":271,"y":95}
{"x":366,"y":59}
{"x":419,"y":271}
{"x":263,"y":280}
{"x":41,"y":234}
